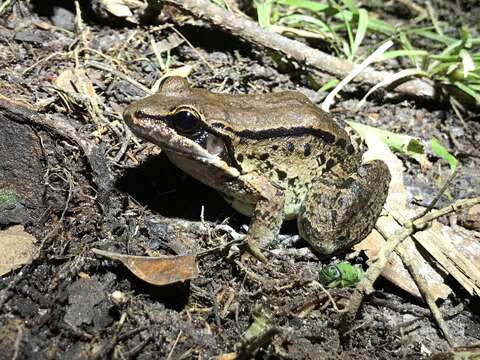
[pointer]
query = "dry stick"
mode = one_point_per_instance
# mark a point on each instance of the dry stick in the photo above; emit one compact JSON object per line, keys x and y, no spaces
{"x":365,"y":286}
{"x":253,"y":33}
{"x":406,"y":251}
{"x":100,"y":66}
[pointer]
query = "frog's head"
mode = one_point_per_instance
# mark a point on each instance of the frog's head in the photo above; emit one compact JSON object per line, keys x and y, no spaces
{"x":174,"y":119}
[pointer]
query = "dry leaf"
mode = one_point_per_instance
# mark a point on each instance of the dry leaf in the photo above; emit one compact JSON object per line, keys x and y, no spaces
{"x":16,"y":248}
{"x":157,"y":270}
{"x":117,"y":8}
{"x":76,"y":82}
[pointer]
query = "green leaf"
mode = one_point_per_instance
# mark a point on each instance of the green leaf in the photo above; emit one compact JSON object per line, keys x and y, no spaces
{"x":442,"y":153}
{"x":408,"y":145}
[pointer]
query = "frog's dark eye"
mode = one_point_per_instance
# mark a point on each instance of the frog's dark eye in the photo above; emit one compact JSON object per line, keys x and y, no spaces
{"x":185,"y":122}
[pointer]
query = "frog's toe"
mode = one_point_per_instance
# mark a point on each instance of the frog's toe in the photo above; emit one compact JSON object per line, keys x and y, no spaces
{"x":338,"y":213}
{"x":252,"y":249}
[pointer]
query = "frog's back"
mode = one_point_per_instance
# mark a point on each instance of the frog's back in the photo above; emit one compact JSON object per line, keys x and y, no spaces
{"x":263,"y":112}
{"x":289,"y":140}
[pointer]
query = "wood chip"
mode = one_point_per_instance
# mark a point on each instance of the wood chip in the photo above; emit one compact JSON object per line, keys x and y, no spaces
{"x":16,"y":248}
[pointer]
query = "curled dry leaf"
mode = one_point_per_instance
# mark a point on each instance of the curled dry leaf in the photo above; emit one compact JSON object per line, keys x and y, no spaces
{"x":16,"y":248}
{"x":117,"y":8}
{"x":157,"y":270}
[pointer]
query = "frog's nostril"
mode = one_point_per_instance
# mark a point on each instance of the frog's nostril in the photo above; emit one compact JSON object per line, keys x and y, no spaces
{"x":128,"y":115}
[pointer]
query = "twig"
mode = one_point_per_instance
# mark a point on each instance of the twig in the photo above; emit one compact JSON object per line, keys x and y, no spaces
{"x":365,"y":286}
{"x":408,"y":257}
{"x":439,"y":195}
{"x":330,"y":298}
{"x":204,"y":59}
{"x":18,"y":342}
{"x":254,"y":34}
{"x":121,"y":75}
{"x":174,"y":344}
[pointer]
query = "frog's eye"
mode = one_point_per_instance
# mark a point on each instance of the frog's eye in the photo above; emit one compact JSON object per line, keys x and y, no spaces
{"x":185,"y":122}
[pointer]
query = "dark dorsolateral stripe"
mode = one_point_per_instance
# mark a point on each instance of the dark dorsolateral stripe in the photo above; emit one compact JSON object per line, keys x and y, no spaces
{"x":280,"y":132}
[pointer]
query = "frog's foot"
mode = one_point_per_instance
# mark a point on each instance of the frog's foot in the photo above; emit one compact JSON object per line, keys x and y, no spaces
{"x":338,"y":212}
{"x":267,"y":215}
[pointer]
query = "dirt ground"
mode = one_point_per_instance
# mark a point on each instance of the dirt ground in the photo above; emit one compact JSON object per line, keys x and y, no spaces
{"x":103,"y":189}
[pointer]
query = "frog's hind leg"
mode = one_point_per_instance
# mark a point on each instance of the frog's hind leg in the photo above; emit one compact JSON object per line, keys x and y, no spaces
{"x":339,"y":211}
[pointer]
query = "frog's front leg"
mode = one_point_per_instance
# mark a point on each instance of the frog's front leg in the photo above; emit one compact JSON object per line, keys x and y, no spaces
{"x":267,"y":216}
{"x":339,"y":211}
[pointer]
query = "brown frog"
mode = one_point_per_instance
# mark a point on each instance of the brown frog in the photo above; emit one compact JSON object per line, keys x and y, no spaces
{"x":272,"y":156}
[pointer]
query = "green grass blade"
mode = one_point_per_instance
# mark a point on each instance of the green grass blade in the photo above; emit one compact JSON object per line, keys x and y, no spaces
{"x":361,"y":30}
{"x":438,"y":149}
{"x":305,"y":4}
{"x":396,"y":53}
{"x":329,"y":85}
{"x":447,"y":40}
{"x":351,"y":6}
{"x":298,"y":20}
{"x":468,"y":90}
{"x":467,"y":62}
{"x":264,"y":11}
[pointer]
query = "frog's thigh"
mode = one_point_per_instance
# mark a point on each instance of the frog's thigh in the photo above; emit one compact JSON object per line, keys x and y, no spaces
{"x":268,"y":212}
{"x":337,"y":213}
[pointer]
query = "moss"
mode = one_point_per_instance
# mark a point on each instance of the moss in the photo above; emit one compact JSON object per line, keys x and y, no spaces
{"x":8,"y":196}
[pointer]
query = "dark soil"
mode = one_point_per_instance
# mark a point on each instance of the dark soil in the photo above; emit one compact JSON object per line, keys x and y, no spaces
{"x":113,"y":193}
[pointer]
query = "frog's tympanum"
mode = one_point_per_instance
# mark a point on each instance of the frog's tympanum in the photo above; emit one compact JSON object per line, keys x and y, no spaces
{"x":272,"y":156}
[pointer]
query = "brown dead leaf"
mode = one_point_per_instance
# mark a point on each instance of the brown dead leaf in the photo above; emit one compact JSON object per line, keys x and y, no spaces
{"x":76,"y":82}
{"x":157,"y":270}
{"x":16,"y":248}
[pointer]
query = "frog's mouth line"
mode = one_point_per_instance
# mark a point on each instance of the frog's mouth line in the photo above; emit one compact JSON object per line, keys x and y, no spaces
{"x":188,"y":148}
{"x":154,"y":129}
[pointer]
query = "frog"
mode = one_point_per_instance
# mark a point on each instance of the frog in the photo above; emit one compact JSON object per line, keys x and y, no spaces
{"x":273,"y":157}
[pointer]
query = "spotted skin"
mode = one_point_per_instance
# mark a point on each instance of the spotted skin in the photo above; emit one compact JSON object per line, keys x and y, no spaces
{"x":273,"y":157}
